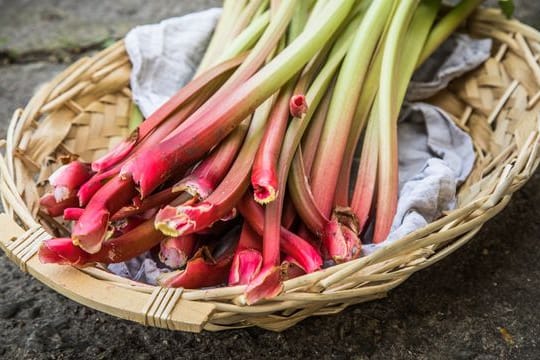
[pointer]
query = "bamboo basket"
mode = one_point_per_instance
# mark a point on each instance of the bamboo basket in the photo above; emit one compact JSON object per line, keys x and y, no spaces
{"x":84,"y":111}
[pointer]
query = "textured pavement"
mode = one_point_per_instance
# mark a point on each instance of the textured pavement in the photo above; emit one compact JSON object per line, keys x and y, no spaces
{"x":479,"y":303}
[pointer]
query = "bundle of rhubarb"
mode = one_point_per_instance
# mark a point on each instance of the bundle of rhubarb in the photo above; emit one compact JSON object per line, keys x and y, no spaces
{"x":245,"y":176}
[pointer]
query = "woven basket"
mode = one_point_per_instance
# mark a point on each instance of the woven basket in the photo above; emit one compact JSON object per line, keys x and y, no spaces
{"x":84,"y":111}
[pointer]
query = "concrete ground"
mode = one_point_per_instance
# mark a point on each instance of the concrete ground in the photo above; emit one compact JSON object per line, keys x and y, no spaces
{"x":479,"y":303}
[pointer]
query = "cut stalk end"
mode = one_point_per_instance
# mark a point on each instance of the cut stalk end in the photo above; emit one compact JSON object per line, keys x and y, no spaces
{"x":266,"y":285}
{"x":264,"y":194}
{"x":60,"y":251}
{"x":341,"y":236}
{"x":298,"y":106}
{"x":245,"y":266}
{"x":174,"y":252}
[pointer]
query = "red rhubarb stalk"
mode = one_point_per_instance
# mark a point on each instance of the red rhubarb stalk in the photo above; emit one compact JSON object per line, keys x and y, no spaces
{"x":206,"y":268}
{"x":175,"y":221}
{"x":302,"y":251}
{"x":339,"y":233}
{"x":90,"y":230}
{"x":122,"y":248}
{"x":71,"y":214}
{"x":247,"y":260}
{"x":53,"y":208}
{"x":221,"y":114}
{"x":263,"y":174}
{"x":156,"y":200}
{"x":209,"y":80}
{"x":69,"y":178}
{"x":175,"y":251}
{"x":210,"y":172}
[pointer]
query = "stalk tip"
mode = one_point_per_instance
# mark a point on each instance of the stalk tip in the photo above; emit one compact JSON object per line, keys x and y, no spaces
{"x":264,"y":193}
{"x":266,"y":285}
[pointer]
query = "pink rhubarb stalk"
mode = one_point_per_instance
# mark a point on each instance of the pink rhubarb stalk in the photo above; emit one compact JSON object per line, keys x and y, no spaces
{"x":264,"y":172}
{"x":224,"y":111}
{"x":53,"y":208}
{"x":175,"y":251}
{"x":175,"y":221}
{"x":69,"y":178}
{"x":212,"y":78}
{"x":247,"y":260}
{"x":298,"y":105}
{"x":91,"y":229}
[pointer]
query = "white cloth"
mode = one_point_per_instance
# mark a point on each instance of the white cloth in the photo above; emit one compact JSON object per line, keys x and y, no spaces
{"x":165,"y":56}
{"x":435,"y":156}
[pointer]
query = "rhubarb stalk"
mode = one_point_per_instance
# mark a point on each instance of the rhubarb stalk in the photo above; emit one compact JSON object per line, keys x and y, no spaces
{"x":175,"y":221}
{"x":268,"y":282}
{"x":247,"y":259}
{"x":175,"y":251}
{"x":389,"y":102}
{"x":333,"y":140}
{"x":221,"y":114}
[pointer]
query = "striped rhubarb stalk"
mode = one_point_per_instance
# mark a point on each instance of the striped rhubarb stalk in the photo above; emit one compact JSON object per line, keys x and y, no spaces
{"x":175,"y":221}
{"x":247,"y":260}
{"x":221,"y":114}
{"x":268,"y":282}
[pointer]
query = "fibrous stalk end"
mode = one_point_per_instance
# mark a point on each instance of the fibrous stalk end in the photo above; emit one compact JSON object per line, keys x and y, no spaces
{"x":266,"y":285}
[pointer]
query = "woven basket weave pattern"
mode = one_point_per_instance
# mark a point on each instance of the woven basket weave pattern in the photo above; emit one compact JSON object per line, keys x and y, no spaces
{"x":85,"y":110}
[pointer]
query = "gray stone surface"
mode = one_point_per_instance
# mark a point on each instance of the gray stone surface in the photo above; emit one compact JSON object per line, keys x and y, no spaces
{"x":455,"y":309}
{"x":18,"y":83}
{"x":36,"y":27}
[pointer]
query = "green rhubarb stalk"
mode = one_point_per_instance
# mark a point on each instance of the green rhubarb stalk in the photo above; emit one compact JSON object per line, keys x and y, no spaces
{"x":246,"y":17}
{"x":221,"y":114}
{"x":343,"y":105}
{"x":247,"y":38}
{"x":230,"y":12}
{"x":365,"y":103}
{"x":364,"y":188}
{"x":314,"y":131}
{"x":135,"y":117}
{"x":299,"y":191}
{"x":268,"y":282}
{"x":387,"y":187}
{"x":265,"y":45}
{"x":363,"y":194}
{"x":446,"y":26}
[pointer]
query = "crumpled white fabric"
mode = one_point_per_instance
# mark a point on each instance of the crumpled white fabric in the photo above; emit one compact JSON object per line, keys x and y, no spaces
{"x":141,"y":268}
{"x":458,"y":55}
{"x":435,"y":156}
{"x":165,"y":56}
